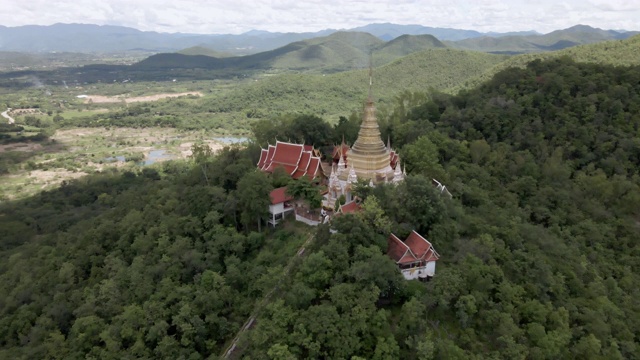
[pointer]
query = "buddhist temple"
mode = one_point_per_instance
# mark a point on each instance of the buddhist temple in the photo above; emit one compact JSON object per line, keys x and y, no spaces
{"x":416,"y":257}
{"x":297,"y":160}
{"x":369,"y":159}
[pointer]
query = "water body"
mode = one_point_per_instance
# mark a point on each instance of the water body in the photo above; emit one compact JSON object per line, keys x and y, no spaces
{"x":114,"y":158}
{"x":231,"y":139}
{"x":156,"y":155}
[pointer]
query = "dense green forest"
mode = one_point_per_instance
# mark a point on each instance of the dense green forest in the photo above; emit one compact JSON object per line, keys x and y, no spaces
{"x":540,"y":256}
{"x":539,"y":253}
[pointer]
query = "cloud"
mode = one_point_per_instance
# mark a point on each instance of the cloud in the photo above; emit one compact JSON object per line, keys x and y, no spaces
{"x":222,"y":16}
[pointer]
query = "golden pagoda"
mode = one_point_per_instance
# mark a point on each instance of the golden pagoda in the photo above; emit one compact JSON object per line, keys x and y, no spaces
{"x":368,"y":159}
{"x":368,"y":156}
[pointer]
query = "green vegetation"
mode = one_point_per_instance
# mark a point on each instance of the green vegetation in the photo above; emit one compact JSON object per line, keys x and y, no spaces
{"x":539,"y":251}
{"x":618,"y":52}
{"x":147,"y":264}
{"x":556,"y":40}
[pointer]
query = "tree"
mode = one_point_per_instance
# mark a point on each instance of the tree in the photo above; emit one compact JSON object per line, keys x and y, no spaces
{"x":202,"y":156}
{"x":253,"y":198}
{"x":302,"y":188}
{"x":421,"y":157}
{"x":420,"y":204}
{"x":372,"y":214}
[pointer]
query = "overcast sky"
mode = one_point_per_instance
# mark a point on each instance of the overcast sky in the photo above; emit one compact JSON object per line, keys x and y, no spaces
{"x":237,"y":16}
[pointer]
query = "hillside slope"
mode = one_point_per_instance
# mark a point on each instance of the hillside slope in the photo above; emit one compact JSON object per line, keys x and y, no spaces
{"x":616,"y":52}
{"x":340,"y":94}
{"x":556,"y":40}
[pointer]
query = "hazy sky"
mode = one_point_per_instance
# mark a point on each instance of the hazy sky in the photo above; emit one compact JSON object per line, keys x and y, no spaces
{"x":237,"y":16}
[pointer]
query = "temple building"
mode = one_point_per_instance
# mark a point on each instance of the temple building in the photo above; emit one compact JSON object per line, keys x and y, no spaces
{"x":416,"y":257}
{"x":280,"y":205}
{"x":369,"y":159}
{"x":296,"y":160}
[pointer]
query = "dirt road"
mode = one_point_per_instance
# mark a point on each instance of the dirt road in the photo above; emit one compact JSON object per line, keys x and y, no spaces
{"x":5,"y":115}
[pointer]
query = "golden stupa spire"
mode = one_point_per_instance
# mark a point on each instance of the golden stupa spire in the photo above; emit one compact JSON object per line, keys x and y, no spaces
{"x":369,"y":156}
{"x":370,"y":76}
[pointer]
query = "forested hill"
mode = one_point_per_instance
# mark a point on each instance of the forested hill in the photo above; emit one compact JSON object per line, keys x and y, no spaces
{"x":618,"y":52}
{"x":540,"y":255}
{"x":539,"y":244}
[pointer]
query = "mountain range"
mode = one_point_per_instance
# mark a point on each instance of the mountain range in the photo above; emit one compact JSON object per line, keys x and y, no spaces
{"x":86,"y":38}
{"x":339,"y":51}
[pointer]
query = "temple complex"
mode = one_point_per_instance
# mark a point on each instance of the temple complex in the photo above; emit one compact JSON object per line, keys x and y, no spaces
{"x":369,"y":159}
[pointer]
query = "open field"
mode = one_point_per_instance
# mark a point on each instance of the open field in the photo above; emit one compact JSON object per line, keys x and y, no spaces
{"x":97,"y":99}
{"x":72,"y":153}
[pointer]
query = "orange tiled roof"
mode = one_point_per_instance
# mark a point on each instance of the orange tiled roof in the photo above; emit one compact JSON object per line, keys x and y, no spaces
{"x":415,"y":248}
{"x":279,"y":195}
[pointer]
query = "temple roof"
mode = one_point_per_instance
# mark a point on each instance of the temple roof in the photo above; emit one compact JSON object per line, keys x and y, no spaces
{"x":287,"y":153}
{"x":340,"y":150}
{"x":416,"y":248}
{"x":303,"y":165}
{"x":350,"y":207}
{"x":295,"y":159}
{"x":279,"y":195}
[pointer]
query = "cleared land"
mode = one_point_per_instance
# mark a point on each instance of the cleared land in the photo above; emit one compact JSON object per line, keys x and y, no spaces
{"x":98,"y":99}
{"x":73,"y":153}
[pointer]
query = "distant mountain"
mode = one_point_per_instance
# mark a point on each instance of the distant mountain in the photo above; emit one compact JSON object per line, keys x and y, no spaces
{"x":404,"y":45}
{"x":340,"y":51}
{"x":106,"y":39}
{"x":556,"y":40}
{"x":337,"y":52}
{"x":202,"y":50}
{"x":388,"y":31}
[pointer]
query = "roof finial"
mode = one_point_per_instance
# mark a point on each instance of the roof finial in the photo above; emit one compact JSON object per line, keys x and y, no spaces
{"x":370,"y":72}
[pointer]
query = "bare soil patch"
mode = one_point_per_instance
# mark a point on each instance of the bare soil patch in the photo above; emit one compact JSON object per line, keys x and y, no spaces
{"x":185,"y":148}
{"x":120,"y":98}
{"x":21,"y":146}
{"x":26,"y":111}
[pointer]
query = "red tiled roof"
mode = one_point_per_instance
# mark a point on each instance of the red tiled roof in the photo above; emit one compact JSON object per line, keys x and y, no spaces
{"x":418,"y":245}
{"x":279,"y":195}
{"x":263,"y":158}
{"x":415,"y":248}
{"x":350,"y":207}
{"x":289,"y":169}
{"x":340,"y":150}
{"x":303,"y":165}
{"x":314,"y":167}
{"x":398,"y":250}
{"x":393,"y":159}
{"x":295,"y":161}
{"x":287,"y":153}
{"x":270,"y":151}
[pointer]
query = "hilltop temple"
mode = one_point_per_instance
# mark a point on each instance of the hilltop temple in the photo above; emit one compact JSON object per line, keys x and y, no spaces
{"x":369,"y":159}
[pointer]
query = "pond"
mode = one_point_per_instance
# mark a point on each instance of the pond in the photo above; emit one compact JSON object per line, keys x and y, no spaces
{"x":114,"y":158}
{"x":231,"y":139}
{"x":156,"y":155}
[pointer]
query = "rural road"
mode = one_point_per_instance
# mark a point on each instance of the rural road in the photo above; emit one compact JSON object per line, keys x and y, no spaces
{"x":6,"y":116}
